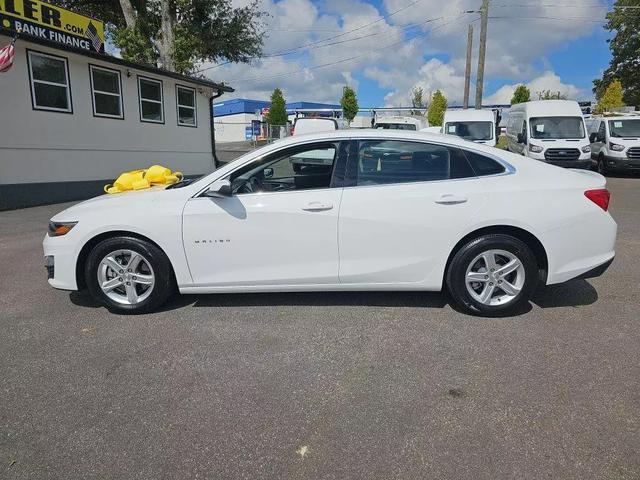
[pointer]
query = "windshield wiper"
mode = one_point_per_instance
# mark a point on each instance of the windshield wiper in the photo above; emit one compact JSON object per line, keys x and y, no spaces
{"x":182,"y":183}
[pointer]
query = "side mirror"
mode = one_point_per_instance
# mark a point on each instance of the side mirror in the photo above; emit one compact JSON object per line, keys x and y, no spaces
{"x":268,"y":172}
{"x":593,"y":137}
{"x":219,"y":189}
{"x":521,"y":138}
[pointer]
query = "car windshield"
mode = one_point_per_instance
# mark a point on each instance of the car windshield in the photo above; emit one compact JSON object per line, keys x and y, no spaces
{"x":557,"y":127}
{"x":624,"y":128}
{"x":396,"y":126}
{"x":470,"y":130}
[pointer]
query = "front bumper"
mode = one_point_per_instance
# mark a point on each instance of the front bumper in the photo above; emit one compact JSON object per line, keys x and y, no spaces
{"x":60,"y":262}
{"x":622,"y":163}
{"x":583,"y":162}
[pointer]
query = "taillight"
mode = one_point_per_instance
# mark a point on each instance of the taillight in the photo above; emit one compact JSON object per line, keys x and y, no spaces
{"x":600,"y":197}
{"x":293,"y":131}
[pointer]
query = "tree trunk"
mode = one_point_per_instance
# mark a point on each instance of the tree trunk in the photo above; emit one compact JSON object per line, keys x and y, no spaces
{"x":128,"y":12}
{"x":165,"y":42}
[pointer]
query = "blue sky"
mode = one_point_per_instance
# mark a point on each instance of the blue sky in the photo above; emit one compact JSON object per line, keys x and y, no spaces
{"x":384,"y":48}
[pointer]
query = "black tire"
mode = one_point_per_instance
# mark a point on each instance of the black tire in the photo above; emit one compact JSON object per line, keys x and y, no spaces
{"x":602,"y":166}
{"x":164,"y":281}
{"x":457,"y":271}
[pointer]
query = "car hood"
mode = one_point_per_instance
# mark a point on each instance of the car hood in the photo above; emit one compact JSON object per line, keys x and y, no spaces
{"x":124,"y":201}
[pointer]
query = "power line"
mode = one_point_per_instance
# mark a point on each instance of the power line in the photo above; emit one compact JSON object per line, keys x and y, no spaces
{"x":313,"y":47}
{"x":566,"y":6}
{"x":384,"y":17}
{"x":544,"y":17}
{"x":315,"y":67}
{"x":304,"y":46}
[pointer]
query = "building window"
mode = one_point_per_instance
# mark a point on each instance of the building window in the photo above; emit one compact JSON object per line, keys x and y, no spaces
{"x":106,"y":90}
{"x":49,"y":77}
{"x":151,"y":101}
{"x":186,"y":102}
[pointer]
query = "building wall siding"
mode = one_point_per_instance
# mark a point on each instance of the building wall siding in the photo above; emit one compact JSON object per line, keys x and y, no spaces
{"x":39,"y":146}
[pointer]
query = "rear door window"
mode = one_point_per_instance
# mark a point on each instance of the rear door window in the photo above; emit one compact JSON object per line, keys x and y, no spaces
{"x":382,"y":162}
{"x":483,"y":165}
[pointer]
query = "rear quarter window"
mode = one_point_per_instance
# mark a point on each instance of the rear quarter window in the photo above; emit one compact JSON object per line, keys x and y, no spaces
{"x":483,"y":165}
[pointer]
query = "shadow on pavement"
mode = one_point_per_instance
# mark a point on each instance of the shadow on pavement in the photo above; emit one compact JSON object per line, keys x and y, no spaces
{"x":575,"y":293}
{"x":373,"y":299}
{"x":571,"y":294}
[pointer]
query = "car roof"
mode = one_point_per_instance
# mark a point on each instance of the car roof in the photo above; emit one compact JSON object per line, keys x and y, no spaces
{"x":549,"y":108}
{"x":380,"y":134}
{"x":468,"y":115}
{"x":619,"y":117}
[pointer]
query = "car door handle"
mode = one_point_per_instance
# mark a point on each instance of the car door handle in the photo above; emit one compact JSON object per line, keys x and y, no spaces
{"x":317,"y":207}
{"x":450,"y":199}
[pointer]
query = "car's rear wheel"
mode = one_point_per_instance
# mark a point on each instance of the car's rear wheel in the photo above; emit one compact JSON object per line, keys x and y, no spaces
{"x":492,"y":275}
{"x":129,"y":275}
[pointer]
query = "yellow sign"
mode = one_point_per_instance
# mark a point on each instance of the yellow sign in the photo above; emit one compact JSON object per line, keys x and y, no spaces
{"x":50,"y":22}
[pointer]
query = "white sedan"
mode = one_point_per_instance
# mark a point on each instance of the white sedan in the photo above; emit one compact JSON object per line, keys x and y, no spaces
{"x":391,"y":210}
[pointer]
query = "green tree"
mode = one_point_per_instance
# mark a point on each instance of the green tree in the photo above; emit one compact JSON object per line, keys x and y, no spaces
{"x":520,"y":95}
{"x":277,"y":111}
{"x":176,"y":34}
{"x":349,"y":103}
{"x":625,"y":48}
{"x":417,"y":100}
{"x":549,"y":95}
{"x":437,"y":108}
{"x":611,"y":99}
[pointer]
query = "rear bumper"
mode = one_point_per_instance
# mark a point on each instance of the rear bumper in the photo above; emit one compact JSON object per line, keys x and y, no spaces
{"x":596,"y":271}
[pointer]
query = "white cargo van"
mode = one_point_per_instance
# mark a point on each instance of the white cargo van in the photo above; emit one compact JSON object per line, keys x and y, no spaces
{"x":408,"y":122}
{"x":552,"y":131}
{"x":615,"y":143}
{"x":304,"y":125}
{"x":474,"y":125}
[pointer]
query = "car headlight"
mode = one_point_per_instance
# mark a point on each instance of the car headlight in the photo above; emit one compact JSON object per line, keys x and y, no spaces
{"x":58,"y":229}
{"x":615,"y":147}
{"x":535,"y":148}
{"x":586,"y":149}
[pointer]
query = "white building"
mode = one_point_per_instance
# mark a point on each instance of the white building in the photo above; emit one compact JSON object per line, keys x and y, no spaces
{"x":72,"y":119}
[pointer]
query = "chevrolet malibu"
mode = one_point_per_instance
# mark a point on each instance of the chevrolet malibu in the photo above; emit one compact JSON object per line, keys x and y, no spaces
{"x":345,"y":210}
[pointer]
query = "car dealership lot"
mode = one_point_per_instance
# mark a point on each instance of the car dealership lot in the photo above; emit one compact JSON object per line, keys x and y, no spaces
{"x":327,"y":385}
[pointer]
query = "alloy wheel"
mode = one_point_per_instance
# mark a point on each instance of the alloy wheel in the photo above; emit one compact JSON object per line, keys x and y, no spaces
{"x":126,"y":277}
{"x":495,"y":277}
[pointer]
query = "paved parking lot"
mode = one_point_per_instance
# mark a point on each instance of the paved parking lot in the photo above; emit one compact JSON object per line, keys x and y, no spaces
{"x":331,"y":386}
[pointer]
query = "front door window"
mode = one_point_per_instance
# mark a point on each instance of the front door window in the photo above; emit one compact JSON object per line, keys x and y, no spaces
{"x":293,"y":170}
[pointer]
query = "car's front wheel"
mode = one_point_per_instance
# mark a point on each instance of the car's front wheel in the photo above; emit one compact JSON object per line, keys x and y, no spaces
{"x":492,"y":275}
{"x":129,"y":275}
{"x":602,"y":166}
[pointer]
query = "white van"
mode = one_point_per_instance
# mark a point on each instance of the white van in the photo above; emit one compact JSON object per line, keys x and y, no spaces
{"x":408,"y":122}
{"x":615,"y":143}
{"x":552,"y":131}
{"x":474,"y":125}
{"x":304,"y":125}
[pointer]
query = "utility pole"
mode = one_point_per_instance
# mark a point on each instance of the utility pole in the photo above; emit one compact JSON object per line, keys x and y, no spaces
{"x":484,"y":19}
{"x":467,"y":72}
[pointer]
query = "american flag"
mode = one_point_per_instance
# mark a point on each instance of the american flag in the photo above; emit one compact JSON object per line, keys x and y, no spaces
{"x":6,"y":57}
{"x":92,"y":34}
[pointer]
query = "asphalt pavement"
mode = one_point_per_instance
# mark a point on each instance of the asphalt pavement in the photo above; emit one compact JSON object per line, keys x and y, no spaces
{"x":319,"y":386}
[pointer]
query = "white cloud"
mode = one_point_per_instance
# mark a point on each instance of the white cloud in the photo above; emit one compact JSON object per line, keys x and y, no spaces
{"x":547,"y":81}
{"x":397,"y":52}
{"x":434,"y":75}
